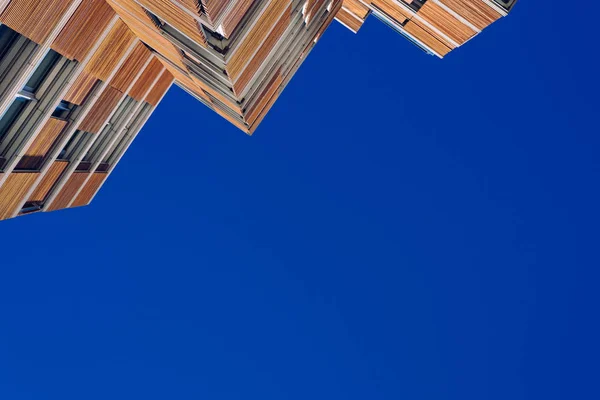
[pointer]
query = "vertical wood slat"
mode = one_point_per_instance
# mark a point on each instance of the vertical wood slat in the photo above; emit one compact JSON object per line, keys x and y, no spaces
{"x":106,"y":103}
{"x":41,"y":191}
{"x":34,"y":19}
{"x":83,"y":29}
{"x":146,"y":78}
{"x":81,"y":88}
{"x":110,"y":52}
{"x":159,"y":88}
{"x":91,"y":187}
{"x":35,"y":154}
{"x":130,"y":68}
{"x":12,"y":192}
{"x":68,"y":191}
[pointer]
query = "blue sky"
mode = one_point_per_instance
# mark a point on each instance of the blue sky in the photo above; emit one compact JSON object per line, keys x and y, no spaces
{"x":399,"y":227}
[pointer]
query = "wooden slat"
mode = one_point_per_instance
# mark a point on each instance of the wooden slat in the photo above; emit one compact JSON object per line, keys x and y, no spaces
{"x":83,"y":29}
{"x":91,"y":187}
{"x":13,"y":191}
{"x":48,"y":181}
{"x":68,"y":191}
{"x":160,"y":88}
{"x":35,"y":154}
{"x":255,"y":37}
{"x":130,"y":68}
{"x":81,"y":88}
{"x":477,"y":12}
{"x":446,"y":23}
{"x":105,"y":105}
{"x":110,"y":52}
{"x":263,"y":52}
{"x":350,"y":20}
{"x":175,"y":17}
{"x":34,"y":19}
{"x":424,"y":35}
{"x":143,"y":27}
{"x":232,"y":19}
{"x":145,"y":80}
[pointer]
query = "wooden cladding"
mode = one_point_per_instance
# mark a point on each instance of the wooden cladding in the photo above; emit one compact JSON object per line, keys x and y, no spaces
{"x":48,"y":181}
{"x":263,"y":52}
{"x":37,"y":152}
{"x":13,"y":192}
{"x":89,"y":190}
{"x":34,"y":19}
{"x":144,"y":82}
{"x":257,"y":35}
{"x":176,"y":17}
{"x":160,"y":88}
{"x":214,"y":9}
{"x":232,"y":19}
{"x":350,"y":20}
{"x":68,"y":191}
{"x":439,"y":25}
{"x":476,"y":12}
{"x":83,"y":29}
{"x":110,"y":52}
{"x":140,"y":23}
{"x":236,"y":56}
{"x":80,"y":89}
{"x":101,"y":111}
{"x":130,"y":68}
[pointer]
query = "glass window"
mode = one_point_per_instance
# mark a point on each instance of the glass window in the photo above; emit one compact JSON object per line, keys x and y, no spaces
{"x":7,"y":36}
{"x":11,"y":115}
{"x":42,"y":71}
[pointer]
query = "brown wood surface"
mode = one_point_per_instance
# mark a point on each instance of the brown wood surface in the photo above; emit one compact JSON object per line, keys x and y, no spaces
{"x":105,"y":105}
{"x":47,"y":183}
{"x":13,"y":191}
{"x":68,"y":191}
{"x":34,"y":19}
{"x":91,"y":187}
{"x":37,"y":152}
{"x":83,"y":29}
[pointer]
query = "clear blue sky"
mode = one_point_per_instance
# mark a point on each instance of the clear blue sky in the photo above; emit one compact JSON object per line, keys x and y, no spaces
{"x":429,"y":233}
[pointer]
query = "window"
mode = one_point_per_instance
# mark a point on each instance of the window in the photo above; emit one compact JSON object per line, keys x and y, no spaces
{"x":42,"y":70}
{"x":63,"y":109}
{"x":7,"y":37}
{"x":74,"y":145}
{"x":11,"y":115}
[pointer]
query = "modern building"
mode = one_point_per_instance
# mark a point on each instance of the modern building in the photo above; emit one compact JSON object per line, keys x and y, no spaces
{"x":79,"y":78}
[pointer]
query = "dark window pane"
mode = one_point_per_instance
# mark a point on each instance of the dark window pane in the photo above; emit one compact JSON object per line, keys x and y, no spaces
{"x":11,"y":115}
{"x":42,"y":71}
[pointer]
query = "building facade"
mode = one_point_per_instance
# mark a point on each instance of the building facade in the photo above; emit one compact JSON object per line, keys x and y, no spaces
{"x":79,"y":78}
